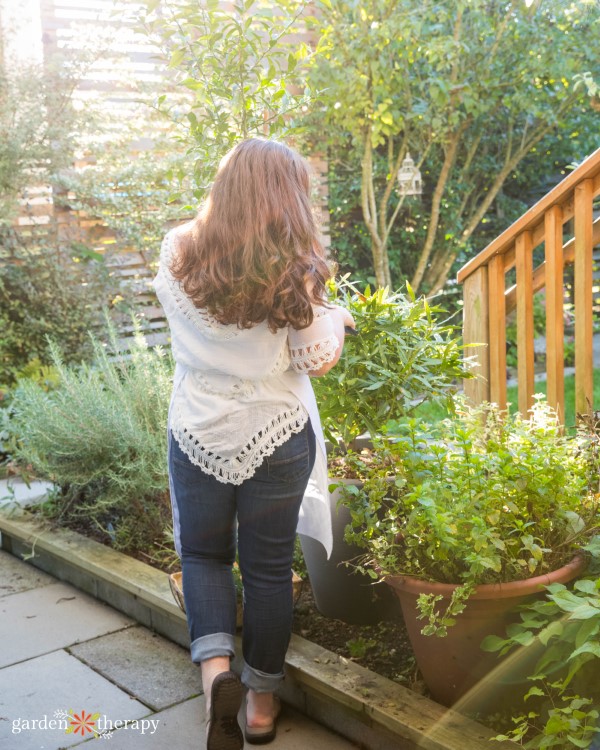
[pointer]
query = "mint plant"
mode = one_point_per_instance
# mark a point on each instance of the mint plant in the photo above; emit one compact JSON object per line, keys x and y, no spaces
{"x":481,"y":497}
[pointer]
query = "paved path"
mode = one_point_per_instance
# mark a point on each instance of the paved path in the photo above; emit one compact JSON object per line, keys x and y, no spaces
{"x":63,"y":653}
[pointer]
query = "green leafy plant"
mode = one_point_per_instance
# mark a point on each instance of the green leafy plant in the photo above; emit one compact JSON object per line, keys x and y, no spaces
{"x":401,"y":357}
{"x":237,"y":68}
{"x":131,"y":195}
{"x":52,"y":290}
{"x":564,"y":631}
{"x":101,"y":436}
{"x":481,"y":497}
{"x":359,"y":647}
{"x":397,"y":77}
{"x":37,"y":122}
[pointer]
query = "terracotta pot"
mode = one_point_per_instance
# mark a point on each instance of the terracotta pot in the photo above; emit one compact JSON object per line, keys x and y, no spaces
{"x":339,"y":591}
{"x":454,"y":664}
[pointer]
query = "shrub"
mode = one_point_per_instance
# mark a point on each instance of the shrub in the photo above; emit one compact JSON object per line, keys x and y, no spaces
{"x":479,"y":498}
{"x":402,"y":356}
{"x":48,"y":291}
{"x":101,"y":436}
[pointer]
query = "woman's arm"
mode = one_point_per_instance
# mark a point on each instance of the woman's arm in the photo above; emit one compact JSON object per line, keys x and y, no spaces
{"x":341,"y":318}
{"x":316,"y":349}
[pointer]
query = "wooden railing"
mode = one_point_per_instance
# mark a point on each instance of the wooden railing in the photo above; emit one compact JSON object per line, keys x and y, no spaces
{"x":487,"y":301}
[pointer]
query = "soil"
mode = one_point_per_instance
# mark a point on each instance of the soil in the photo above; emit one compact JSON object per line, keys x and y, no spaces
{"x":383,"y":648}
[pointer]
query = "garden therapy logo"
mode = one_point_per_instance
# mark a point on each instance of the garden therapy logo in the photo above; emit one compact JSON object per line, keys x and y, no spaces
{"x":78,"y":723}
{"x":84,"y":724}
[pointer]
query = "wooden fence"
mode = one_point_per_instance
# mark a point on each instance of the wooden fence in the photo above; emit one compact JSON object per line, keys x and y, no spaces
{"x":566,"y":210}
{"x":46,"y":216}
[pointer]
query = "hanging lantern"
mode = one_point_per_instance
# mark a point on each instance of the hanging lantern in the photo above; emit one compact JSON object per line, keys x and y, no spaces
{"x":409,"y":178}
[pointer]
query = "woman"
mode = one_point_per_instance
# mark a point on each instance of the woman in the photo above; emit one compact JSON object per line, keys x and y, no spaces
{"x":243,"y":288}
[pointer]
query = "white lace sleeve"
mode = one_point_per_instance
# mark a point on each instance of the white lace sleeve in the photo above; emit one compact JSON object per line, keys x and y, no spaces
{"x":313,"y":347}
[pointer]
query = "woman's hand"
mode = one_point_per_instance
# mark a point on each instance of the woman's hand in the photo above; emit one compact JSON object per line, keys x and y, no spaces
{"x":344,"y":317}
{"x":340,"y":318}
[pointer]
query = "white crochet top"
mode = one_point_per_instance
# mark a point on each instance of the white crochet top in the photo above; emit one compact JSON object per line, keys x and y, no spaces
{"x":240,"y":393}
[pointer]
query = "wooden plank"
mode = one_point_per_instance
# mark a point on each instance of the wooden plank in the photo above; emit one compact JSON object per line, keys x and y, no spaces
{"x":555,"y":360}
{"x":584,"y":323}
{"x":539,"y":274}
{"x":497,"y":345}
{"x":538,"y":231}
{"x":590,"y":168}
{"x":476,"y":334}
{"x":525,"y":360}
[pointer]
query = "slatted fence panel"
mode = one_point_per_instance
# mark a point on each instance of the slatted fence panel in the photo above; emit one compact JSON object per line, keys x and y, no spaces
{"x":46,"y":216}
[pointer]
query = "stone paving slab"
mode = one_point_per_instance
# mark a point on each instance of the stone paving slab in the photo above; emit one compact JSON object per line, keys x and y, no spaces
{"x":14,"y":491}
{"x":54,"y":616}
{"x":16,"y":577}
{"x":37,"y":688}
{"x":182,"y":728}
{"x":154,"y":670}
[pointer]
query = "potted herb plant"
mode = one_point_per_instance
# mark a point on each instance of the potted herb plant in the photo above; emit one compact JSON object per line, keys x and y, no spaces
{"x":402,"y":356}
{"x":467,"y":518}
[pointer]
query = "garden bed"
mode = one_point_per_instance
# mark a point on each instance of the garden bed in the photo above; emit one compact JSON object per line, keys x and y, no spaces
{"x":356,"y":702}
{"x":383,"y":648}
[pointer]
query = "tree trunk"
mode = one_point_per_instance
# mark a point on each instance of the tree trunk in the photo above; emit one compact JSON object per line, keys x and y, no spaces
{"x":436,"y":201}
{"x":381,"y":263}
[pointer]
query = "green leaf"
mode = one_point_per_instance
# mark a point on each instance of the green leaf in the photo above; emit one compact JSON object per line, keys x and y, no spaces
{"x":584,"y":612}
{"x":534,"y":691}
{"x":552,"y":630}
{"x":578,"y":742}
{"x":587,"y":648}
{"x":493,"y":643}
{"x":177,"y":57}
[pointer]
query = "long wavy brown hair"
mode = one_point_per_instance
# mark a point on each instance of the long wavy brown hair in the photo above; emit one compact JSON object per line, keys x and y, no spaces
{"x":254,"y":252}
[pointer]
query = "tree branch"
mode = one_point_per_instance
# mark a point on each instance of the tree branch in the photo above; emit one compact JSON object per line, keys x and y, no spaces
{"x":440,"y":278}
{"x":436,"y":202}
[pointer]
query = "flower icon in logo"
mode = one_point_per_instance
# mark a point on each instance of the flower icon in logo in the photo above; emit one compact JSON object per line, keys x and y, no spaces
{"x":82,"y":723}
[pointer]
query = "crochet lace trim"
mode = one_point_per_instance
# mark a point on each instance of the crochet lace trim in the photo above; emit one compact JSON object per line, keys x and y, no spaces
{"x":312,"y":357}
{"x":283,"y":360}
{"x":243,"y":466}
{"x":206,"y":323}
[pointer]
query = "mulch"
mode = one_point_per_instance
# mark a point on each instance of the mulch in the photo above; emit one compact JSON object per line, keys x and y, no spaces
{"x":383,"y":648}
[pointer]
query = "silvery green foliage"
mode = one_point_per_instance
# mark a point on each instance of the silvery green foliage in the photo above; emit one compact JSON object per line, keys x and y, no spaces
{"x":101,"y":434}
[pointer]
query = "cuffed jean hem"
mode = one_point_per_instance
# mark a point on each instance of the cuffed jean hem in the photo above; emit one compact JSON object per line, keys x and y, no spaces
{"x":260,"y":682}
{"x":211,"y":645}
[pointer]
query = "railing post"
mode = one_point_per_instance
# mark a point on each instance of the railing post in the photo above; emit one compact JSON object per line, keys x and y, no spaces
{"x":584,"y":324}
{"x":525,"y":361}
{"x":476,"y":330}
{"x":555,"y":357}
{"x":497,"y":346}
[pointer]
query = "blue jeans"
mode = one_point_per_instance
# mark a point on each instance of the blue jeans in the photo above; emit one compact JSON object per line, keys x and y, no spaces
{"x":266,"y":507}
